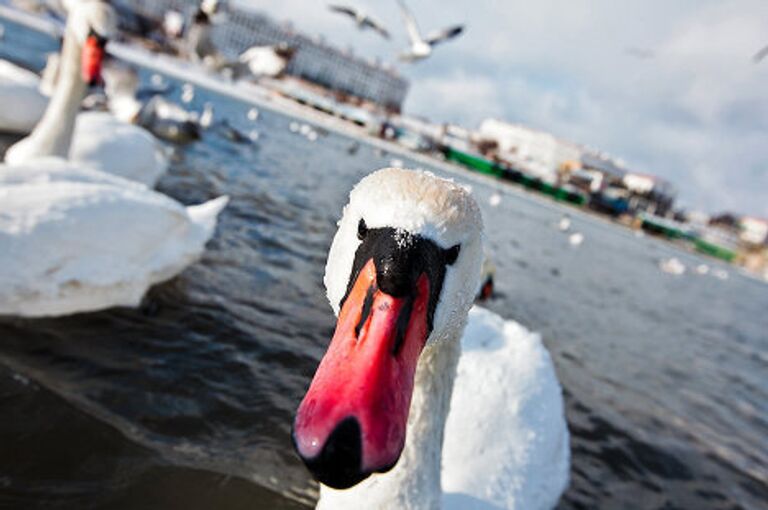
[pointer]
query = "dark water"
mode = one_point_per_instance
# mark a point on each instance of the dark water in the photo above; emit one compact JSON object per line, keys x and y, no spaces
{"x":187,"y":402}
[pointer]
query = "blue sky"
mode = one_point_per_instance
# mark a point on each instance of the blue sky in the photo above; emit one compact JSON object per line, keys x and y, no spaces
{"x":692,"y":107}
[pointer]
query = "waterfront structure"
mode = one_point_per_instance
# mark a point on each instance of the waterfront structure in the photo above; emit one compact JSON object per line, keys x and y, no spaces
{"x":240,"y":28}
{"x":537,"y":152}
{"x":753,"y":231}
{"x":618,"y":190}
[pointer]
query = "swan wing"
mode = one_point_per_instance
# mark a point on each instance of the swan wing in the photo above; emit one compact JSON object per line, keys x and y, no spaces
{"x":75,"y":240}
{"x":506,"y":441}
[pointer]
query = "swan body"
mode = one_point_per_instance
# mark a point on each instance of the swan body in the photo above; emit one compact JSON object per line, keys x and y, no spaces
{"x":268,"y":61}
{"x":448,"y":417}
{"x":104,"y":143}
{"x":506,"y":440}
{"x":23,"y":103}
{"x":76,"y":240}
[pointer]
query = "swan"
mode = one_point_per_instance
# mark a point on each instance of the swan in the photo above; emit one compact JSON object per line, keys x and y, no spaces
{"x":23,"y":102}
{"x":382,"y":424}
{"x":75,"y":240}
{"x":672,"y":266}
{"x":164,"y":119}
{"x":93,"y":139}
{"x":265,"y":61}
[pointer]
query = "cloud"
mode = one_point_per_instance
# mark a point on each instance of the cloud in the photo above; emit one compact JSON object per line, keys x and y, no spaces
{"x":696,"y":112}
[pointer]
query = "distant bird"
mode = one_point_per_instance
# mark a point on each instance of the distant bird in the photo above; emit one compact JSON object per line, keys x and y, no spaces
{"x":640,"y":53}
{"x":421,"y":47}
{"x":265,"y":61}
{"x":760,"y":55}
{"x":200,"y":46}
{"x":362,"y":19}
{"x":672,"y":266}
{"x":576,"y":239}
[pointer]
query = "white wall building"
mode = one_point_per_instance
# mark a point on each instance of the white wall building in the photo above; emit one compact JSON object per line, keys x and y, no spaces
{"x":538,"y":152}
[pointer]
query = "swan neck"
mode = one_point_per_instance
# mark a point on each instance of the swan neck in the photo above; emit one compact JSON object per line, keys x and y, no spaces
{"x":53,"y":134}
{"x":414,"y":483}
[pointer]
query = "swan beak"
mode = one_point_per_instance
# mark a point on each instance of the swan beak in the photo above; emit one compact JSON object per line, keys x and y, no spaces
{"x":92,"y":59}
{"x":353,"y":418}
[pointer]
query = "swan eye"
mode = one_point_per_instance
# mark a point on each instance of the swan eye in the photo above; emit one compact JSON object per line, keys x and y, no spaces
{"x":451,"y":254}
{"x":362,"y":229}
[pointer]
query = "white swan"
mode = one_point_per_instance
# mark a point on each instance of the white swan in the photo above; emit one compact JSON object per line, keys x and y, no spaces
{"x":401,"y":274}
{"x":77,"y":240}
{"x":23,"y":103}
{"x":164,"y":119}
{"x":266,"y":61}
{"x":74,"y":239}
{"x":95,"y":139}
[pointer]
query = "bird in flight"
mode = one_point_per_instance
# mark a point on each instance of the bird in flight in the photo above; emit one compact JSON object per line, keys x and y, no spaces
{"x":421,"y":47}
{"x":362,"y":19}
{"x":760,"y":55}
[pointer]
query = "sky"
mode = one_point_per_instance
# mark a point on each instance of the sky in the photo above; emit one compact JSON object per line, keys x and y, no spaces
{"x":667,"y":86}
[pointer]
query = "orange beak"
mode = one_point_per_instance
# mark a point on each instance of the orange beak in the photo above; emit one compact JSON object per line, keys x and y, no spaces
{"x":92,"y":59}
{"x":352,"y":421}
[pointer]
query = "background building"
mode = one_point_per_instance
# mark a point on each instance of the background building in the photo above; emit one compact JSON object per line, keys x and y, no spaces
{"x":537,"y":152}
{"x":314,"y":61}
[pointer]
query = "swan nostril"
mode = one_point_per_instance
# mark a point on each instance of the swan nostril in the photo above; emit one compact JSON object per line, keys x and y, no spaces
{"x":396,"y":277}
{"x":339,"y":463}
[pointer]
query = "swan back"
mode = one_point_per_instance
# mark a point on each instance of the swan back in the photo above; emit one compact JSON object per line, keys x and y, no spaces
{"x":104,"y":143}
{"x":73,"y":239}
{"x":506,"y":440}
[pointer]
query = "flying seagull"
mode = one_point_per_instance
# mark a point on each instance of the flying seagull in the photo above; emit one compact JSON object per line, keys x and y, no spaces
{"x":640,"y":53}
{"x":421,"y":47}
{"x":362,"y":19}
{"x":760,"y":55}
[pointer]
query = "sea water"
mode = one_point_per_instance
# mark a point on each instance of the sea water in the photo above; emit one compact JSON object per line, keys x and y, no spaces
{"x":187,"y":402}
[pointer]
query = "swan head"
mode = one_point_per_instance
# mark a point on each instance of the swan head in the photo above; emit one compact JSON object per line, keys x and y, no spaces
{"x":402,"y":273}
{"x":91,"y":23}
